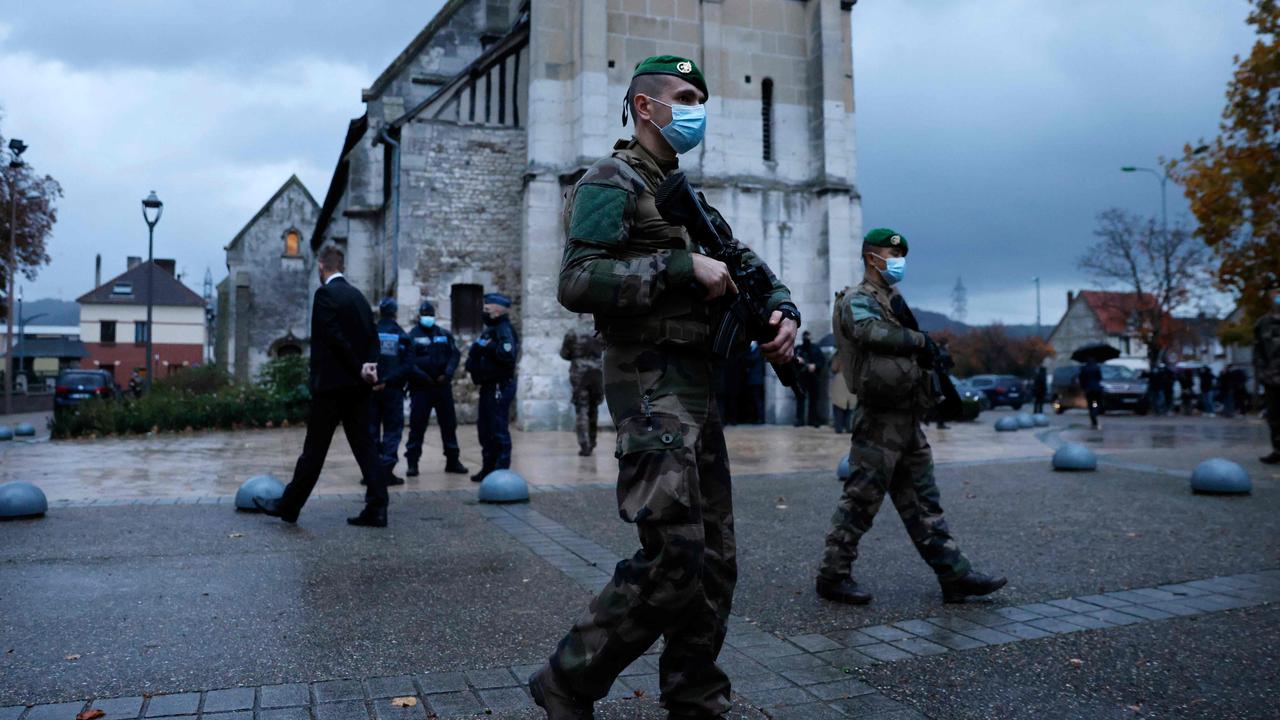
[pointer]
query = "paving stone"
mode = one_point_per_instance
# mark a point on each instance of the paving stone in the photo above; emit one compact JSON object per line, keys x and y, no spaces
{"x":739,"y":667}
{"x":389,"y":687}
{"x":1017,"y":614}
{"x":1183,"y":590}
{"x":985,"y":618}
{"x":284,"y":713}
{"x":293,"y":694}
{"x":1210,"y":586}
{"x":806,"y":711}
{"x":1087,"y":621}
{"x":868,"y":705}
{"x":178,"y":704}
{"x":846,"y":688}
{"x":776,"y":698}
{"x":120,"y":708}
{"x":1073,"y":605}
{"x":1055,"y":625}
{"x":1104,"y":601}
{"x":647,"y":684}
{"x":58,"y":711}
{"x":1176,"y":607}
{"x":758,"y":683}
{"x":1023,"y":631}
{"x":439,"y":682}
{"x":1116,"y":617}
{"x":1148,"y":613}
{"x":384,"y":710}
{"x":233,"y":715}
{"x":216,"y":701}
{"x":491,"y":678}
{"x":815,"y":675}
{"x":748,"y":638}
{"x":814,"y":643}
{"x":852,"y":638}
{"x":792,"y":662}
{"x":505,"y":699}
{"x":991,"y":636}
{"x":1235,"y":581}
{"x":641,"y":666}
{"x":1214,"y":603}
{"x":13,"y":712}
{"x":342,"y":710}
{"x":916,"y":627}
{"x":886,"y":633}
{"x":522,"y":672}
{"x":847,"y":657}
{"x":919,"y":646}
{"x":1044,"y":609}
{"x":1155,"y":594}
{"x":334,"y":690}
{"x":777,"y":648}
{"x":885,"y":652}
{"x":955,"y":624}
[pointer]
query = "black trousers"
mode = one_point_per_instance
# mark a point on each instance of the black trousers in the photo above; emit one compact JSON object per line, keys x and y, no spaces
{"x":349,"y":407}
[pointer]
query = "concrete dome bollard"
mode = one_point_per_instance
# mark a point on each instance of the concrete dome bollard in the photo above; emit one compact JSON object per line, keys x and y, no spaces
{"x":844,"y":470}
{"x":21,"y":500}
{"x":25,"y":430}
{"x":262,"y":486}
{"x":1040,"y":420}
{"x":503,"y":486}
{"x":1025,"y":420}
{"x":6,"y":432}
{"x":1074,"y":457}
{"x":1007,"y":424}
{"x":1220,"y":477}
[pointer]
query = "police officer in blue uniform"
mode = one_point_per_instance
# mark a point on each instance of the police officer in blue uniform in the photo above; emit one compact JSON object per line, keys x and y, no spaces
{"x":491,"y":362}
{"x":387,"y":416}
{"x":434,"y":357}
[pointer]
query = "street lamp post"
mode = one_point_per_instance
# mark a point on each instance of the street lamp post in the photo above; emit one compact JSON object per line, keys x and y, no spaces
{"x":1036,"y":279}
{"x":16,"y":148}
{"x":22,"y":332}
{"x":1163,"y":177}
{"x":150,"y":205}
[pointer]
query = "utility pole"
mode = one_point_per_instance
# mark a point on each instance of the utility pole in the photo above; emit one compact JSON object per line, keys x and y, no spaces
{"x":1036,"y":279}
{"x":16,"y":148}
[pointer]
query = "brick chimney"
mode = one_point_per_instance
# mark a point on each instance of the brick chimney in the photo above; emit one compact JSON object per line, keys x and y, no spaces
{"x":132,"y":262}
{"x":168,"y":265}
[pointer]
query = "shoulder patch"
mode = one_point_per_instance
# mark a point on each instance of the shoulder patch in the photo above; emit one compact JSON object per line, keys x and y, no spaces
{"x":864,"y":307}
{"x":598,"y":212}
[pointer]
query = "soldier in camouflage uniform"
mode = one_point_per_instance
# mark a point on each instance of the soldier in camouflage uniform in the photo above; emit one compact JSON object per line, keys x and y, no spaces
{"x":887,"y":363}
{"x":584,"y":349}
{"x":1266,"y":368}
{"x":649,"y":289}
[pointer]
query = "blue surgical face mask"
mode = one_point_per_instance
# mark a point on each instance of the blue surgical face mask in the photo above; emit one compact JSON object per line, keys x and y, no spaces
{"x":687,"y":127}
{"x":1277,"y":301}
{"x":894,"y":270}
{"x":427,"y":321}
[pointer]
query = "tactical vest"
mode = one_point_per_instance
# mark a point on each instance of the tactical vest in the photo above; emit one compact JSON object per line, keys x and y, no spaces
{"x":881,"y":381}
{"x":679,"y":316}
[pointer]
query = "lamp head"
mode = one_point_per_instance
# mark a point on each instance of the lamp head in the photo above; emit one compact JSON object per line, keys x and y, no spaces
{"x":151,"y":206}
{"x":1128,"y":168}
{"x":17,"y":146}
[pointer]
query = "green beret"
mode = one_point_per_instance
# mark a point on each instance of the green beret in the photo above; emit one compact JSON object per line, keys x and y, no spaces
{"x":885,"y":237}
{"x":683,"y":68}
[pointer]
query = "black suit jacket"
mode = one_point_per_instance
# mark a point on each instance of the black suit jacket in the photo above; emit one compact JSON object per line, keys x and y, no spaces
{"x":343,"y":337}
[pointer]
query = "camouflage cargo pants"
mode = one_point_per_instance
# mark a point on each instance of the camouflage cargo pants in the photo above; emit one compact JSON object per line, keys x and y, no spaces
{"x":588,"y":393}
{"x":673,"y":483}
{"x":890,"y":455}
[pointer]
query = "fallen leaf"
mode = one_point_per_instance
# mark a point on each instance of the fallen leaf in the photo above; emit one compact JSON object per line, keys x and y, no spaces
{"x":236,"y":535}
{"x":638,"y":693}
{"x":406,"y":701}
{"x":1076,"y":662}
{"x":72,"y":658}
{"x":93,"y":714}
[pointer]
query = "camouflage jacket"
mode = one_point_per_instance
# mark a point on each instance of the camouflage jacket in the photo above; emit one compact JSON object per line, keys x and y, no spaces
{"x":626,"y":265}
{"x":877,"y":354}
{"x":585,"y":353}
{"x":1266,"y":350}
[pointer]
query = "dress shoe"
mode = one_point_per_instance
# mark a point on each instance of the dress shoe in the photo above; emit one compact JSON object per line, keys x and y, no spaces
{"x":1272,"y":459}
{"x":412,"y":471}
{"x":971,"y":584}
{"x":393,"y":479}
{"x":584,"y":452}
{"x":370,"y":517}
{"x":272,"y":508}
{"x":480,"y":476}
{"x":845,"y":591}
{"x":559,"y":703}
{"x":452,"y":465}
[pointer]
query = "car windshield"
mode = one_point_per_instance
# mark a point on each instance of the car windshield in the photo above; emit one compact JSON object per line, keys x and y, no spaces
{"x":981,"y":382}
{"x":1118,"y":372}
{"x":85,"y":379}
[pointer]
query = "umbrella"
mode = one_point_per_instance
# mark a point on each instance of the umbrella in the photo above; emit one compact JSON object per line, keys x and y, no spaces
{"x":1098,"y":352}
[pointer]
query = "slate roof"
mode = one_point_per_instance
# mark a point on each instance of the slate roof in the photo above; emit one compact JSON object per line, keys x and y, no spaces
{"x":1114,"y":309}
{"x":169,"y":291}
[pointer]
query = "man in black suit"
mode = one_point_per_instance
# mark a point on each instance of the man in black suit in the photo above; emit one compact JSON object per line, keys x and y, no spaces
{"x":344,"y":364}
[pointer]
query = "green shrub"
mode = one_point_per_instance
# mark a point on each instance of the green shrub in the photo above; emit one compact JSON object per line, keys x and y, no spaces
{"x":199,"y":398}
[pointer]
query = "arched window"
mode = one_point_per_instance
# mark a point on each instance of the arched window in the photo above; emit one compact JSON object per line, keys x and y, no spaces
{"x":288,"y":350}
{"x":766,"y":118}
{"x":292,"y":243}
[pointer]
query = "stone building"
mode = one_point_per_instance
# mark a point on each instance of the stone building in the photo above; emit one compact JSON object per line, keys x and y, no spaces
{"x":264,"y":303}
{"x":451,"y":184}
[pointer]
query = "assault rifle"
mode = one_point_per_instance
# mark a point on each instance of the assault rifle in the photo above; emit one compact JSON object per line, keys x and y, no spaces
{"x":747,"y":312}
{"x":934,"y":359}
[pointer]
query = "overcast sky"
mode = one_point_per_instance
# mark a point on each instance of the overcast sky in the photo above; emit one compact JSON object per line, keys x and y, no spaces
{"x":990,"y":133}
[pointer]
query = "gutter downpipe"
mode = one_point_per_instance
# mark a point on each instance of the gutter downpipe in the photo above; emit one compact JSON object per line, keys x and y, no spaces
{"x":395,"y":209}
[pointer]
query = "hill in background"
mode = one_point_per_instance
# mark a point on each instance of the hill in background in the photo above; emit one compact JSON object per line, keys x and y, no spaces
{"x":934,"y":321}
{"x":55,"y":312}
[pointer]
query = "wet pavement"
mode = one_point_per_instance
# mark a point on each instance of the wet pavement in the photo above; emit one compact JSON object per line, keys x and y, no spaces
{"x":200,"y":612}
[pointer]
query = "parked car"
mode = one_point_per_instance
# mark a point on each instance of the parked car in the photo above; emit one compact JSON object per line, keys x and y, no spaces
{"x":1122,"y":389}
{"x":76,"y":386}
{"x":972,"y":400}
{"x":1000,"y":389}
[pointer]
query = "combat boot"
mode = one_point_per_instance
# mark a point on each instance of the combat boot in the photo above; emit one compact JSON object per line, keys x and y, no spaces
{"x":453,"y":465}
{"x":480,"y":476}
{"x":559,"y":703}
{"x":1272,"y":459}
{"x":412,"y":471}
{"x":971,"y":584}
{"x":845,"y":591}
